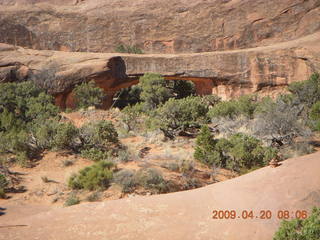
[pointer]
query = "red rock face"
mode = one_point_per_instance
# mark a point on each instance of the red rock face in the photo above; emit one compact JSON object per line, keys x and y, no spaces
{"x":166,"y":26}
{"x":251,"y":46}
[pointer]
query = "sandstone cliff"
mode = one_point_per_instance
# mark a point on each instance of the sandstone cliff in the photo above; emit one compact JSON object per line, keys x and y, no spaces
{"x":166,"y":26}
{"x":229,"y":73}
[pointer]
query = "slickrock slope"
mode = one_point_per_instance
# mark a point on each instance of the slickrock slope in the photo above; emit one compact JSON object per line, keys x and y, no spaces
{"x":295,"y":185}
{"x":156,"y":26}
{"x":266,"y":70}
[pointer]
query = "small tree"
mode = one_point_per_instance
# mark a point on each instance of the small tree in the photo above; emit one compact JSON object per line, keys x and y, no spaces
{"x":87,"y":94}
{"x":205,"y":150}
{"x":179,"y":114}
{"x":154,"y":91}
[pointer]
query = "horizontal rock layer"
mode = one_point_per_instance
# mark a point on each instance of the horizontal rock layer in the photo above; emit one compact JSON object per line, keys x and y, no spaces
{"x":229,"y":73}
{"x":166,"y":26}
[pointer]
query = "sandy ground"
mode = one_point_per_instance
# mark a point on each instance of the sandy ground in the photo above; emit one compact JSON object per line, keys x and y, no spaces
{"x":295,"y":185}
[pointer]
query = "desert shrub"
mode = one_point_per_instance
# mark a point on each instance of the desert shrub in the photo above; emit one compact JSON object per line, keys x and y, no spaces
{"x":22,"y":104}
{"x":130,"y":116}
{"x":300,"y":229}
{"x":211,"y":100}
{"x":64,"y":137}
{"x":3,"y":181}
{"x":53,"y":134}
{"x":97,"y":176}
{"x":99,"y":140}
{"x":87,"y":94}
{"x":247,"y":152}
{"x":126,"y":179}
{"x":178,"y":114}
{"x":123,"y":155}
{"x":205,"y":150}
{"x":151,"y":179}
{"x":307,"y":92}
{"x":93,"y":197}
{"x":245,"y":105}
{"x":2,"y":194}
{"x":100,"y":134}
{"x":3,"y":184}
{"x":315,"y":116}
{"x":72,"y":200}
{"x":153,"y":90}
{"x":192,"y":183}
{"x":172,"y":166}
{"x":225,"y":109}
{"x":278,"y":122}
{"x":236,"y":153}
{"x":128,"y":49}
{"x":95,"y":154}
{"x":296,"y":150}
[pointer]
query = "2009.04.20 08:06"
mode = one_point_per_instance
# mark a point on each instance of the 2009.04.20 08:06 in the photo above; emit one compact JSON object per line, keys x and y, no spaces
{"x":263,"y":214}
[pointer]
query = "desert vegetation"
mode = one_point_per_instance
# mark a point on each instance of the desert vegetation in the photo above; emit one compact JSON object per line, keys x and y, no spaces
{"x":300,"y":229}
{"x":238,"y":135}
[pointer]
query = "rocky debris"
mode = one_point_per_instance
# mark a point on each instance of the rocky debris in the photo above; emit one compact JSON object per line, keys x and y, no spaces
{"x":143,"y":152}
{"x":274,"y":163}
{"x":166,"y":26}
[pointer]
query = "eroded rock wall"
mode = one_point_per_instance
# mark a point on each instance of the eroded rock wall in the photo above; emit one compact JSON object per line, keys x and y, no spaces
{"x":265,"y":70}
{"x":166,"y":26}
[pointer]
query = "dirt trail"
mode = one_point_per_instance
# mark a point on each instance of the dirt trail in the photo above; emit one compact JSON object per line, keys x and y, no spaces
{"x":295,"y":185}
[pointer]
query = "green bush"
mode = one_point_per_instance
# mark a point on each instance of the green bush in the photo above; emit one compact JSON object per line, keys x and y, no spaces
{"x":178,"y":114}
{"x":298,"y":229}
{"x":99,"y":140}
{"x":100,"y":134}
{"x":72,"y":200}
{"x":53,"y":134}
{"x":227,"y":109}
{"x":128,"y":49}
{"x":87,"y":95}
{"x":3,"y":184}
{"x":97,"y":176}
{"x":3,"y":181}
{"x":245,"y":105}
{"x":95,"y":154}
{"x":205,"y":150}
{"x":239,"y":152}
{"x":22,"y":104}
{"x":315,"y":116}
